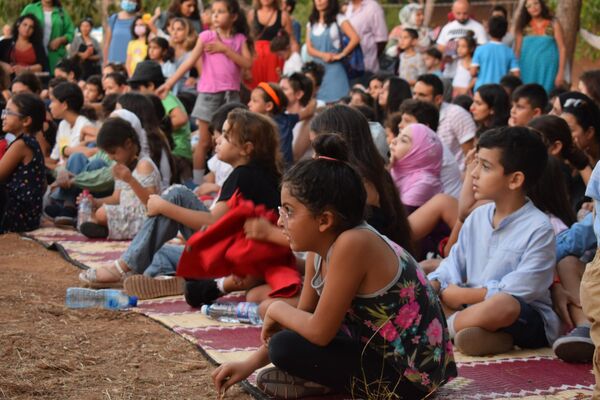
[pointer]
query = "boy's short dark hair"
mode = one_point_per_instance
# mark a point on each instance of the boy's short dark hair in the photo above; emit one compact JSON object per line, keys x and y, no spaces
{"x":511,"y":82}
{"x":393,"y":120}
{"x":54,"y":82}
{"x":412,"y":32}
{"x":70,"y":93}
{"x":317,"y":71}
{"x":534,"y":93}
{"x":497,"y":27}
{"x":424,"y":112}
{"x":30,"y":80}
{"x":118,"y":77}
{"x":501,"y":9}
{"x":464,"y":101}
{"x":434,"y":81}
{"x":281,"y":42}
{"x":522,"y":149}
{"x":109,"y":103}
{"x":434,"y":52}
{"x":69,"y":65}
{"x":220,"y":115}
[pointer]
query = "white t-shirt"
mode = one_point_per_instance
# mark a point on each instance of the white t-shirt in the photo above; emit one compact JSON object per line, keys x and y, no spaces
{"x":450,"y":174}
{"x":68,"y":136}
{"x":220,"y":169}
{"x":334,"y":33}
{"x":455,"y":30}
{"x":456,"y":127}
{"x":47,"y":28}
{"x":292,"y":64}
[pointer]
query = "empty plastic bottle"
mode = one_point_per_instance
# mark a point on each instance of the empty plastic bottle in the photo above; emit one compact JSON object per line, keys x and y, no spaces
{"x":244,"y":312}
{"x":84,"y":211}
{"x":111,"y":299}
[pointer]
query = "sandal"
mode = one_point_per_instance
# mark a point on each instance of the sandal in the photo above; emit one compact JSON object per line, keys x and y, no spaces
{"x":89,"y":277}
{"x":145,"y":287}
{"x":282,"y":385}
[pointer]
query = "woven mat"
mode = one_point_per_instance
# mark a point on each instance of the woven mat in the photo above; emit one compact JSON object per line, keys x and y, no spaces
{"x":516,"y":375}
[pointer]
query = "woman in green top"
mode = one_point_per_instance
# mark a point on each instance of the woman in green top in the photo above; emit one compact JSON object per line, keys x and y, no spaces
{"x":57,"y":26}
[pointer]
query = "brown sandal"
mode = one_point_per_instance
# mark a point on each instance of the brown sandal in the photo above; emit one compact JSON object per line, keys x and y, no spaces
{"x":145,"y":287}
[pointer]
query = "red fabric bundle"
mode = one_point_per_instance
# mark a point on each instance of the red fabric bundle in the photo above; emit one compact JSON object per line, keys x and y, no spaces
{"x":223,"y":250}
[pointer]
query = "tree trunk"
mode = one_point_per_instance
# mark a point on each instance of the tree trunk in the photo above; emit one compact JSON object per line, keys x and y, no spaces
{"x":567,"y":13}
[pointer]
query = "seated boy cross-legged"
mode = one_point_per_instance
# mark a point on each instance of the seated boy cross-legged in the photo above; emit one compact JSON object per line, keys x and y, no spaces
{"x":495,"y":283}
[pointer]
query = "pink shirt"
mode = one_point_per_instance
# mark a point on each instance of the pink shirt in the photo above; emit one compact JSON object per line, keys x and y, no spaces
{"x":369,"y":23}
{"x":219,"y":72}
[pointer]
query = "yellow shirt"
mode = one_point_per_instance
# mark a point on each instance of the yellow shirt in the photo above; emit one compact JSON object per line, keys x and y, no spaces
{"x":137,"y":50}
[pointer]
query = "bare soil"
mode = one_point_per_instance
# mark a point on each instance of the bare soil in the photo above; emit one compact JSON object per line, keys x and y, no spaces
{"x":50,"y":352}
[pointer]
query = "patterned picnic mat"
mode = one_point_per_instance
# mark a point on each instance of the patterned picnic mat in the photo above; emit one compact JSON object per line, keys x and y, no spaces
{"x":516,"y":375}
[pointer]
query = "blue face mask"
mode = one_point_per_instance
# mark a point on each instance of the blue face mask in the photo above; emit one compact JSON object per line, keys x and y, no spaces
{"x":128,"y":6}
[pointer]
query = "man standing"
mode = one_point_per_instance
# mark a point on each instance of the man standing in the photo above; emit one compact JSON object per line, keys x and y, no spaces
{"x":367,"y":18}
{"x":452,"y":31}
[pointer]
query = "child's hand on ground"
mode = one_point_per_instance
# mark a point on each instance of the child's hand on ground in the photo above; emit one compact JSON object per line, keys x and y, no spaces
{"x":155,"y":205}
{"x":258,"y":229}
{"x":229,"y":374}
{"x":121,"y":172}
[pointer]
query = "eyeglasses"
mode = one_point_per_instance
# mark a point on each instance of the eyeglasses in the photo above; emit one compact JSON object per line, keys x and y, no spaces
{"x":6,"y":112}
{"x":284,"y":214}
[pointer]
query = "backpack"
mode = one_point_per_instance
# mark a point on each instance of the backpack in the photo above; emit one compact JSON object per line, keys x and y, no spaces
{"x":354,"y":63}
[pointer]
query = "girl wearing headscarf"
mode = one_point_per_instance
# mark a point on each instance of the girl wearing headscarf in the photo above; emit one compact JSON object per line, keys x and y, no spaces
{"x":416,"y":162}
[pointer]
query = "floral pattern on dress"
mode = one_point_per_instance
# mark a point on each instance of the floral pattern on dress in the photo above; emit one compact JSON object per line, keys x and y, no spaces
{"x":406,"y":325}
{"x":126,"y":218}
{"x":25,"y":188}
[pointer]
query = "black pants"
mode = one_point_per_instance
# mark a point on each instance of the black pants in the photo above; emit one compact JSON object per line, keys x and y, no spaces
{"x":341,"y":365}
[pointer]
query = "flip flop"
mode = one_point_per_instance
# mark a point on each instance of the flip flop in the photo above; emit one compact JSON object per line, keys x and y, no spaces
{"x":93,"y":230}
{"x":145,"y":287}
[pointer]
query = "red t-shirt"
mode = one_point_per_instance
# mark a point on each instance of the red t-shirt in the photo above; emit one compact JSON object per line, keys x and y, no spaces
{"x":24,"y":57}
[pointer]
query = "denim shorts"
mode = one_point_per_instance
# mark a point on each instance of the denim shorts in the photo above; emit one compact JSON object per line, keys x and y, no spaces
{"x":528,"y":330}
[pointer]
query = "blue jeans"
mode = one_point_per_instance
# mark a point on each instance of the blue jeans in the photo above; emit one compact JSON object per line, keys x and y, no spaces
{"x":577,"y":239}
{"x":76,"y":164}
{"x":165,"y":261}
{"x":158,"y":230}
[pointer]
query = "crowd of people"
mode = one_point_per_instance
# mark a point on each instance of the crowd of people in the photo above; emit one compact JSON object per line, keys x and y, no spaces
{"x":293,"y":166}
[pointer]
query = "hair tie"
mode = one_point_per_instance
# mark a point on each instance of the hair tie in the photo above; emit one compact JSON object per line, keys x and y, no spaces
{"x":270,"y":92}
{"x":327,"y":158}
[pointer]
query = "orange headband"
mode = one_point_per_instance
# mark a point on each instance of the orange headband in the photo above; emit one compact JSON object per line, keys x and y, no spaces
{"x":270,"y":92}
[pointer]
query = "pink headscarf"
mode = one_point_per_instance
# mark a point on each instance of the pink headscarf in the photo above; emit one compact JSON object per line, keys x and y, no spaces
{"x":417,"y":174}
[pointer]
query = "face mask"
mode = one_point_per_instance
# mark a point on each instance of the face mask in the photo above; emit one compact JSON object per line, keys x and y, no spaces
{"x":128,"y":6}
{"x":140,"y":30}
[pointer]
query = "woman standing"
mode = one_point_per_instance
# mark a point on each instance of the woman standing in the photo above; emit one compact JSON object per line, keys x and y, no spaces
{"x":57,"y":27}
{"x":540,"y":46}
{"x":88,"y":49}
{"x":24,"y":50}
{"x":412,"y":16}
{"x":118,"y":31}
{"x":266,"y":19}
{"x":187,"y":9}
{"x":323,"y":42}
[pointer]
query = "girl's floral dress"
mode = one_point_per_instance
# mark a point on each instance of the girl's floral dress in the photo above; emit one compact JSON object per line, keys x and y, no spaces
{"x":404,"y":324}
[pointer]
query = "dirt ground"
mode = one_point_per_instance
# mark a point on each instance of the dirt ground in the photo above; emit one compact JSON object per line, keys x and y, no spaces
{"x":50,"y":352}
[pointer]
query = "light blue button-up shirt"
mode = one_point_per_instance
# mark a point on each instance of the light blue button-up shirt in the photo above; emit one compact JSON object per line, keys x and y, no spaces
{"x":593,"y":191}
{"x":518,"y":258}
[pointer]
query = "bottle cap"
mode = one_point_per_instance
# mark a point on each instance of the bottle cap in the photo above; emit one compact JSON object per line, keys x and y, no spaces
{"x":133,"y":300}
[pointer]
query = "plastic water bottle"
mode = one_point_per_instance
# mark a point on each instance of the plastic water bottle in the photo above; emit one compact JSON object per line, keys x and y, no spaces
{"x":84,"y":211}
{"x":111,"y":299}
{"x":243,"y":312}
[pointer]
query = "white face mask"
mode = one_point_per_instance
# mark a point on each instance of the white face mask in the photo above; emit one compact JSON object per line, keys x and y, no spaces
{"x":140,"y":30}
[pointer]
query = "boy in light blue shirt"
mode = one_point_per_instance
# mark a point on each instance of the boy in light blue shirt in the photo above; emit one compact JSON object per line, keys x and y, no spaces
{"x":495,"y":282}
{"x":494,"y":59}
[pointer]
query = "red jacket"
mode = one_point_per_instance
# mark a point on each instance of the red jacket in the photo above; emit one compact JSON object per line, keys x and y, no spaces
{"x":223,"y":250}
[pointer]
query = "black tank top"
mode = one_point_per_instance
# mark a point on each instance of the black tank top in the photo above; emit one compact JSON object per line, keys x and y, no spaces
{"x":268,"y":32}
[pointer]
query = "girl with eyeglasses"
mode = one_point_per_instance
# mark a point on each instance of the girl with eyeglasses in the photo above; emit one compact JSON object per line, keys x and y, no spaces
{"x":22,"y":170}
